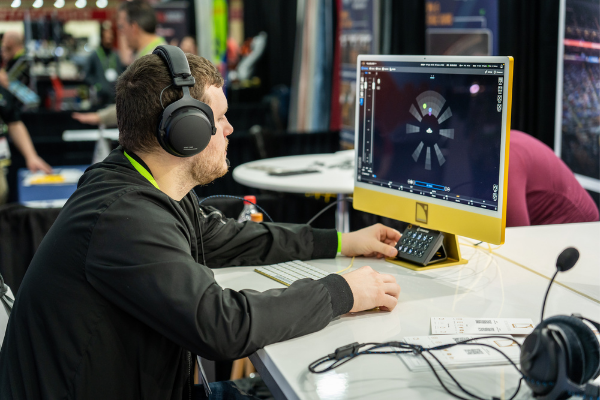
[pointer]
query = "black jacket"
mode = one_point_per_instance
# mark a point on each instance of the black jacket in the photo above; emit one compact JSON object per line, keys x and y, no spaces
{"x":115,"y":299}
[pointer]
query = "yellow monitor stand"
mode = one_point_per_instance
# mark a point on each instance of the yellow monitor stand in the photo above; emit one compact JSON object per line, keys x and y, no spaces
{"x":450,"y":247}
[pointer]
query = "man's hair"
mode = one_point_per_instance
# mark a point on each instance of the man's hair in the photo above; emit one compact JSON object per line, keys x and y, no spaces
{"x":138,"y":97}
{"x":141,"y":13}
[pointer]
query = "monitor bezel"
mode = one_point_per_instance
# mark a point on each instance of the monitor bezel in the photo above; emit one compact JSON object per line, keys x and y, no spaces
{"x":441,"y":215}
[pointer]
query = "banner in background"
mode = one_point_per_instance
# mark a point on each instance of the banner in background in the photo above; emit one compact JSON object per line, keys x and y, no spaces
{"x":172,"y":21}
{"x":359,"y":35}
{"x":577,"y":127}
{"x":466,"y":28}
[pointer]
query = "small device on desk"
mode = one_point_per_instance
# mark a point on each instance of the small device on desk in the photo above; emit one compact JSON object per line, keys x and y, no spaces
{"x":421,"y":246}
{"x":439,"y":158}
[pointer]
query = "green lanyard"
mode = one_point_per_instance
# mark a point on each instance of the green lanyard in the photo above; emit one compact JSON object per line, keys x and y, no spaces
{"x":150,"y":47}
{"x":143,"y":171}
{"x":102,"y":56}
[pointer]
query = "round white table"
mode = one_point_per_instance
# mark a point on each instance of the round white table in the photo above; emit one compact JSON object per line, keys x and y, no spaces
{"x":336,"y":175}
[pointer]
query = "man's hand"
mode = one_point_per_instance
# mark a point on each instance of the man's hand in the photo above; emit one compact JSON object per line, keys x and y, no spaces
{"x":372,"y":289}
{"x":376,"y":240}
{"x":35,"y":163}
{"x":87,"y":118}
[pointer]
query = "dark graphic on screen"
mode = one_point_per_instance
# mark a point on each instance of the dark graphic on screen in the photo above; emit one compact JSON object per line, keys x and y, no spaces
{"x":430,"y":121}
{"x":436,"y":135}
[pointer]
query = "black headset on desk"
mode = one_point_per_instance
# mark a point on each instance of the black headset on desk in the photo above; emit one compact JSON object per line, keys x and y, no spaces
{"x":559,"y":359}
{"x":187,"y":124}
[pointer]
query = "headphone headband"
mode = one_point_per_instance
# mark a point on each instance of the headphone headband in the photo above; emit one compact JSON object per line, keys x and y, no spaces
{"x":186,"y":125}
{"x":178,"y":65}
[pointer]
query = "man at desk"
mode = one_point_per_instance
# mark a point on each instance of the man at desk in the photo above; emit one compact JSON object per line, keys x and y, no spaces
{"x":120,"y":295}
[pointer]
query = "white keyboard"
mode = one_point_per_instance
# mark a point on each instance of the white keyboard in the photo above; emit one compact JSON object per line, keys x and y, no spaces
{"x":291,"y":271}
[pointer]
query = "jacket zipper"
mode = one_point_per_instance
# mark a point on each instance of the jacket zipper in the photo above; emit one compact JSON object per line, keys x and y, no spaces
{"x":189,"y":357}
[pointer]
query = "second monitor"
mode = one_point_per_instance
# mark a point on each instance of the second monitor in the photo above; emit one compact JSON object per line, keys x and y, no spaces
{"x":432,"y":136}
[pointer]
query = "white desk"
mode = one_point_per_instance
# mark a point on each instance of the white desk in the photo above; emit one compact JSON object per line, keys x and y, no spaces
{"x":336,"y":176}
{"x":89,"y":135}
{"x":488,"y":286}
{"x":548,"y":239}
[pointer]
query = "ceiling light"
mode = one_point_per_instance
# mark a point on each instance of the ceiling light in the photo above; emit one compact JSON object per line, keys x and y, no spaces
{"x":80,"y":3}
{"x":38,"y":3}
{"x":16,"y":3}
{"x":59,"y":3}
{"x":101,"y":3}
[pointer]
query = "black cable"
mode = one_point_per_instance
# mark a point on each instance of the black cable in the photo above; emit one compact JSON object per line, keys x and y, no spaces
{"x":220,"y":195}
{"x":546,"y":295}
{"x":233,"y":197}
{"x":327,"y":208}
{"x":347,"y":353}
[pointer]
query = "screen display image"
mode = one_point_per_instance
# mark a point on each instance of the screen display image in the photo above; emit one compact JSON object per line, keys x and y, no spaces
{"x":578,"y":132}
{"x":433,"y":132}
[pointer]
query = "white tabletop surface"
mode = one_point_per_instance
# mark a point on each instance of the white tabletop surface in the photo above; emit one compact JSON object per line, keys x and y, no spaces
{"x":549,"y":240}
{"x":85,"y":135}
{"x":488,"y":286}
{"x":330,"y":179}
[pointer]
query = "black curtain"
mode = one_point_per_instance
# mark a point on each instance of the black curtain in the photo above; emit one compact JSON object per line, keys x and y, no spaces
{"x":278,"y":19}
{"x":408,"y":27}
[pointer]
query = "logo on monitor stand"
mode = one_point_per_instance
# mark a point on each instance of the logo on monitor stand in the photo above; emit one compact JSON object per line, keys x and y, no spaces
{"x":429,"y":121}
{"x":422,"y":213}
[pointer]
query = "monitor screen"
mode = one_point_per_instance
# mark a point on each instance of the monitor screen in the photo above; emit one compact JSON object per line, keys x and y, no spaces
{"x":433,"y":131}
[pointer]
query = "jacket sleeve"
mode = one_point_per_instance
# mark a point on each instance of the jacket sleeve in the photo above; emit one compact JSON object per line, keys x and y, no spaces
{"x":226,"y":242}
{"x":139,"y":260}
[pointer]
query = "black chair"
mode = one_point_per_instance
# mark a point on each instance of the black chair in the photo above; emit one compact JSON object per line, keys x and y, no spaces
{"x":21,"y":232}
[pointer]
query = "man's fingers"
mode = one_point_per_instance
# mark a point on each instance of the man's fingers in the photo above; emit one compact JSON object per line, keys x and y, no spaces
{"x":389,"y":302}
{"x":385,"y":249}
{"x":392,"y":289}
{"x":390,"y":233}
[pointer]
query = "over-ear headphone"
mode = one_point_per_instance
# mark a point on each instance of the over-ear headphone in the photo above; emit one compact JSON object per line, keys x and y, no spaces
{"x":187,"y":124}
{"x":561,"y":357}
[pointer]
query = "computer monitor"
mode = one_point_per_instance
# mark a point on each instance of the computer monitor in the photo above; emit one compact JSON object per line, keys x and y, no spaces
{"x":432,"y":136}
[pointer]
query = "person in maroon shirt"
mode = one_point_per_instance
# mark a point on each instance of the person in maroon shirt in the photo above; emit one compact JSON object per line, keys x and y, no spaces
{"x":542,"y":190}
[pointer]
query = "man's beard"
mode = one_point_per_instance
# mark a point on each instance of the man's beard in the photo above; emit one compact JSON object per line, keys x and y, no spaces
{"x":205,"y":168}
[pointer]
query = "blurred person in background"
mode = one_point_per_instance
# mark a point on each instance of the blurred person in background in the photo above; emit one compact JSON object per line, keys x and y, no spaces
{"x":13,"y":67}
{"x":10,"y":123}
{"x":542,"y":189}
{"x":136,"y":21}
{"x":104,"y":66}
{"x":188,"y":45}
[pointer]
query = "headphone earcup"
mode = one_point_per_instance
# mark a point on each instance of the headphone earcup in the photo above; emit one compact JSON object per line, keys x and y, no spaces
{"x":186,"y":132}
{"x":538,"y":363}
{"x":586,"y":341}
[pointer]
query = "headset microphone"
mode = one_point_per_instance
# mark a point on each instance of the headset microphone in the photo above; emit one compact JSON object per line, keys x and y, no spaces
{"x":566,"y":260}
